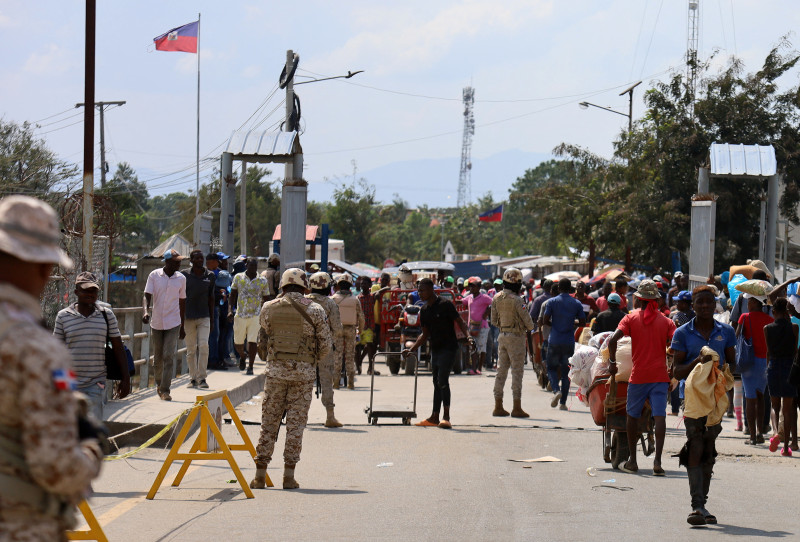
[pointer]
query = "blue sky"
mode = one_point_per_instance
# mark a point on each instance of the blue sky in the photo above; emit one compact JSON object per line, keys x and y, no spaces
{"x":530,"y":62}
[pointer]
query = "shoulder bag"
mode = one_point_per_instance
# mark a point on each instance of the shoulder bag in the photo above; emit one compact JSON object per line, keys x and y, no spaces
{"x":113,"y":371}
{"x":745,"y":355}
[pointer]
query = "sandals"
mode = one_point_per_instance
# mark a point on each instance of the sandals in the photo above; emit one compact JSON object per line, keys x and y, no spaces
{"x":630,"y":470}
{"x":426,"y":423}
{"x":774,"y":442}
{"x":786,"y":452}
{"x":445,"y":424}
{"x":711,"y":519}
{"x":696,"y":518}
{"x":658,"y":470}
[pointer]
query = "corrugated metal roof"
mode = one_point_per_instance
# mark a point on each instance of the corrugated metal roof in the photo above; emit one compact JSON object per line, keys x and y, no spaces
{"x":256,"y":142}
{"x":750,"y":160}
{"x":176,"y":242}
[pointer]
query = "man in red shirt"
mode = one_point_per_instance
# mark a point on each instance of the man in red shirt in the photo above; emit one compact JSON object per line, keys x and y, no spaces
{"x":650,"y":333}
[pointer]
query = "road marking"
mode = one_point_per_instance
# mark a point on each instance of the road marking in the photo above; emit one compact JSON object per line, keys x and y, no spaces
{"x":128,"y":504}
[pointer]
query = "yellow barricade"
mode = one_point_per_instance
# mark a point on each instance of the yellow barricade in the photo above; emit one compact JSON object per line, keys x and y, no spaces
{"x":200,"y":451}
{"x":95,"y":532}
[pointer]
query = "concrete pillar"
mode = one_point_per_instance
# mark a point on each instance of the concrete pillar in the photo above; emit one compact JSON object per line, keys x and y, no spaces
{"x":702,"y":180}
{"x":772,"y":222}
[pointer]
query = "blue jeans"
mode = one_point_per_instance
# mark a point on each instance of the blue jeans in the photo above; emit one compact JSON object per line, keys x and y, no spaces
{"x":441,"y":365}
{"x":225,"y":333}
{"x":491,"y":346}
{"x":96,"y":397}
{"x":558,"y":368}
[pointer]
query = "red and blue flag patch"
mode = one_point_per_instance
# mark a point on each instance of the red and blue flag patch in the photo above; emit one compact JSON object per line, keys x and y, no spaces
{"x":65,"y":379}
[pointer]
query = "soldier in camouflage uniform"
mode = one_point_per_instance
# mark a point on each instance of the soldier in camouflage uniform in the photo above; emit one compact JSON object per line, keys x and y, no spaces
{"x":320,"y":283}
{"x":272,"y":274}
{"x":514,"y":321}
{"x":46,"y":462}
{"x":299,"y":337}
{"x":352,"y":316}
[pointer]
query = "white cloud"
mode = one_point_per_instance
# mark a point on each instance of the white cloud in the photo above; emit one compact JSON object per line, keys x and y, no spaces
{"x":53,"y":60}
{"x":407,"y":40}
{"x":251,"y":71}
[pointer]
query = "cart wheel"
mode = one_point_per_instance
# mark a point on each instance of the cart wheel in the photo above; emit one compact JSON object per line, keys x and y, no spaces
{"x":411,"y":364}
{"x":606,"y":446}
{"x":406,"y":421}
{"x":619,"y":448}
{"x":374,"y":421}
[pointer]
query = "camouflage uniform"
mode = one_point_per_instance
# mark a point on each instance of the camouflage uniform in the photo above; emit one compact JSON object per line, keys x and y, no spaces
{"x":510,"y":316}
{"x":348,"y":341}
{"x":327,"y":374}
{"x":290,"y":383}
{"x":38,"y":425}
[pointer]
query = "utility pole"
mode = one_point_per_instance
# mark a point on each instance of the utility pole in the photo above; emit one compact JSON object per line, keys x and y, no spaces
{"x":243,"y":210}
{"x":88,"y":136}
{"x":101,"y":106}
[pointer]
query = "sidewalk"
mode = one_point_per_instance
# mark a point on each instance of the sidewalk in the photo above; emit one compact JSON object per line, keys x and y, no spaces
{"x":144,"y":408}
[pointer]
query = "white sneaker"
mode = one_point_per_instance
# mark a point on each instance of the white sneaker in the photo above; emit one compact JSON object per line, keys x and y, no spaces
{"x":556,"y":399}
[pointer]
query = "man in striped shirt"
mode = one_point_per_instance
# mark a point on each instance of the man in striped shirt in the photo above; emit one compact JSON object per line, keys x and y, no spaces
{"x":83,"y":326}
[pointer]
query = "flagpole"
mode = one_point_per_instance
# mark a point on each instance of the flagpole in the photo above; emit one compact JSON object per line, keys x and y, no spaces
{"x":197,"y":161}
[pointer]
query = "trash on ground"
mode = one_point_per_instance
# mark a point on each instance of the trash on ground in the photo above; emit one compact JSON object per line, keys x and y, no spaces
{"x":545,"y":459}
{"x":526,"y":467}
{"x":232,"y":481}
{"x":591,"y":471}
{"x":611,"y":481}
{"x":381,"y":465}
{"x":251,"y":403}
{"x":619,"y":488}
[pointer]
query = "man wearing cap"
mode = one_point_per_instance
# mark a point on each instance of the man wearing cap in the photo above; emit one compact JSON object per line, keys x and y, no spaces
{"x":683,"y":306}
{"x":609,"y":319}
{"x":47,"y":459}
{"x":200,"y":286}
{"x":248,"y":292}
{"x":560,"y":313}
{"x":320,"y":284}
{"x":299,"y":338}
{"x":272,"y":274}
{"x":514,"y":322}
{"x":84,"y":327}
{"x":650,"y":333}
{"x":165,"y":295}
{"x":702,"y":330}
{"x":681,"y":284}
{"x":352,"y":323}
{"x":479,"y":305}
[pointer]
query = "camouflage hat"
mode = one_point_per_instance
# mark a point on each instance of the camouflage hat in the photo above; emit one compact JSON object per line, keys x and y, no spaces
{"x":274,"y":259}
{"x":319,"y":280}
{"x":29,"y":231}
{"x":512,"y":276}
{"x":344,"y":277}
{"x":294,"y":276}
{"x":647,"y":290}
{"x":87,"y":280}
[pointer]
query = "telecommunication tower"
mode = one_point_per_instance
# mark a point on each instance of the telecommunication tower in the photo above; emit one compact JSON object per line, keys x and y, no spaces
{"x":691,"y":50}
{"x":464,"y":177}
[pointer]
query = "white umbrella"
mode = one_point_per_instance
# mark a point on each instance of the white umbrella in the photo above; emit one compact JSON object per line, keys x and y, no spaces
{"x":558,"y":275}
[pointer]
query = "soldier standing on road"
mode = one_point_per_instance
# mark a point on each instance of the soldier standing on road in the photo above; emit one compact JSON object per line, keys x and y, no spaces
{"x":46,"y":461}
{"x":352,"y":322}
{"x":514,"y":322}
{"x":273,"y":276}
{"x":299,"y":337}
{"x":320,"y":283}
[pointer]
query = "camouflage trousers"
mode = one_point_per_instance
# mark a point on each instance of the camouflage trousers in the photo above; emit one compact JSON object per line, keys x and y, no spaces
{"x":327,"y":376}
{"x":348,"y":351}
{"x":511,"y":353}
{"x":281,"y":396}
{"x":32,"y":528}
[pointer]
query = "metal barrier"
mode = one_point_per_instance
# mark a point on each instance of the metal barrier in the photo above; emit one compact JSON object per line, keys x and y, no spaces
{"x":138,"y":342}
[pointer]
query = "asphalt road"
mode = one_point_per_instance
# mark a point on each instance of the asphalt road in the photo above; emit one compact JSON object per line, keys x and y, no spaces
{"x":392,"y":482}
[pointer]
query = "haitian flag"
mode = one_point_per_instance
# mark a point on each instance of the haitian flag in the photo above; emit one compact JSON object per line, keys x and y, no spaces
{"x":182,"y":38}
{"x":495,"y":215}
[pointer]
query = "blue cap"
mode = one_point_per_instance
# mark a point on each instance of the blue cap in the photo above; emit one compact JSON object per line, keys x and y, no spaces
{"x":172,"y":254}
{"x":614,"y":299}
{"x":222,"y":256}
{"x":684,"y":295}
{"x":724,"y":277}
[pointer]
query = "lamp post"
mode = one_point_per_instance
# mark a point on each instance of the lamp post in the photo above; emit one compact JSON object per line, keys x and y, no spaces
{"x":629,"y":114}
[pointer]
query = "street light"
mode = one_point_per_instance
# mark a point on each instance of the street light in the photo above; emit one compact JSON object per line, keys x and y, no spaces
{"x":629,"y":114}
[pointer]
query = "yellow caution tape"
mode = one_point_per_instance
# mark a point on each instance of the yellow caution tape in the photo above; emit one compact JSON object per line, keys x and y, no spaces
{"x":152,"y":439}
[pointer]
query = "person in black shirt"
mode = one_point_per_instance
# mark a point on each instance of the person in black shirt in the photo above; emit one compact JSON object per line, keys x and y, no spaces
{"x":609,"y":320}
{"x":438,"y":318}
{"x":781,"y":336}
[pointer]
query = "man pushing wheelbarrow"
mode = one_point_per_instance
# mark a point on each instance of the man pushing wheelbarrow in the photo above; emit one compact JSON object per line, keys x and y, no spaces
{"x":650,"y":333}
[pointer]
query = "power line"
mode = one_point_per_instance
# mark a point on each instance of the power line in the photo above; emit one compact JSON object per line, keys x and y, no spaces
{"x":55,"y":115}
{"x":638,"y":39}
{"x":652,"y":35}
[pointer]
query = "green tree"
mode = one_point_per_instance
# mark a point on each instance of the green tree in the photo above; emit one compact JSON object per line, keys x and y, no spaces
{"x":353,"y":217}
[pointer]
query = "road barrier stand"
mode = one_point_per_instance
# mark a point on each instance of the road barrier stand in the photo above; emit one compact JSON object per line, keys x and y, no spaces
{"x":95,"y":532}
{"x":209,"y":444}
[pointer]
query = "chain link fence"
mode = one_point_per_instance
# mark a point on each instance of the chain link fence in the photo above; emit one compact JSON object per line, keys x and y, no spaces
{"x":60,"y":290}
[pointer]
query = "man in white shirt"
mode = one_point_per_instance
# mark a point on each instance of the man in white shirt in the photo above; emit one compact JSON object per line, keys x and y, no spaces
{"x":165,"y":292}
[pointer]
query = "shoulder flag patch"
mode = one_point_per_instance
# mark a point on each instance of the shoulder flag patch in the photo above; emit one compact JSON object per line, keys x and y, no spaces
{"x":64,"y":379}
